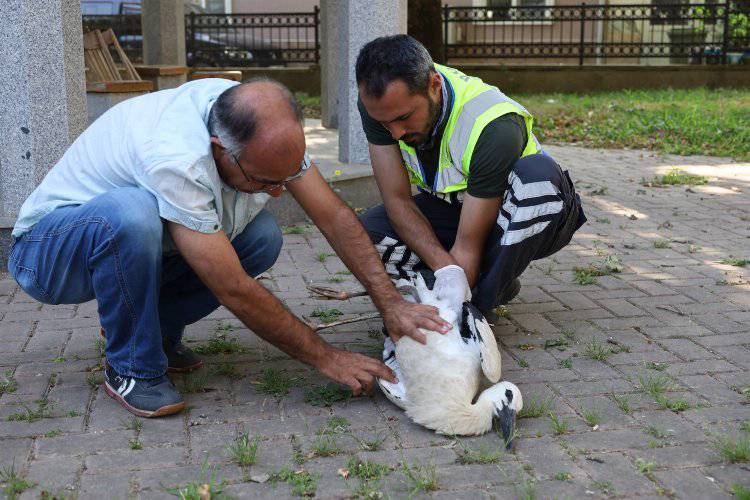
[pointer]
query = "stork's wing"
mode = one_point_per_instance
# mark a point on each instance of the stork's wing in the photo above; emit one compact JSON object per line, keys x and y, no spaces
{"x":488,"y":350}
{"x":396,"y":393}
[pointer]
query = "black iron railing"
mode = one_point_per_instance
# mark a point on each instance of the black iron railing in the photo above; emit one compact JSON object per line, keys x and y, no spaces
{"x":252,"y":39}
{"x":263,"y":39}
{"x":672,"y":32}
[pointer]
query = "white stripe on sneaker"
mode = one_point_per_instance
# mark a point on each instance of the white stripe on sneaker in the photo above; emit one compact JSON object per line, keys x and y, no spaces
{"x":130,"y":388}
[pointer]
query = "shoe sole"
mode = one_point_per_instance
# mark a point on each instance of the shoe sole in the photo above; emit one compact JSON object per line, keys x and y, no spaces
{"x":170,"y":369}
{"x":163,"y":411}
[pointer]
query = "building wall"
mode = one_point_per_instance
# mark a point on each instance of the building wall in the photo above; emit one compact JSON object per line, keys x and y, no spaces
{"x":250,"y":6}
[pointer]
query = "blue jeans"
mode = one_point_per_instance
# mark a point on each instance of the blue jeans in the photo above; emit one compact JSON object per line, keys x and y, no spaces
{"x":110,"y":249}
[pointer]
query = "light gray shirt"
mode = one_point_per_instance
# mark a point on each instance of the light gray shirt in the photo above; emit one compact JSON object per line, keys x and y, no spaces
{"x":158,"y":142}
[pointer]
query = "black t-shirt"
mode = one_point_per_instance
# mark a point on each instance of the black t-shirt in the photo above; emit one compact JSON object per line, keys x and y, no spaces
{"x":499,"y":146}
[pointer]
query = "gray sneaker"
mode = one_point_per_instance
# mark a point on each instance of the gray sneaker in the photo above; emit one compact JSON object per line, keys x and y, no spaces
{"x":180,"y":359}
{"x":153,"y":397}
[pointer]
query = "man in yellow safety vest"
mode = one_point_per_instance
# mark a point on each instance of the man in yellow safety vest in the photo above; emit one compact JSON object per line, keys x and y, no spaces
{"x":490,"y":199}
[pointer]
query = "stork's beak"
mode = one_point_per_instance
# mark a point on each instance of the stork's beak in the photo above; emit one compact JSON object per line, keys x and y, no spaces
{"x":505,"y":421}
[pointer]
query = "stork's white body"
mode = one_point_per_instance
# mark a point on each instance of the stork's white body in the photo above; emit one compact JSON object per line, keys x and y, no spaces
{"x":438,"y":381}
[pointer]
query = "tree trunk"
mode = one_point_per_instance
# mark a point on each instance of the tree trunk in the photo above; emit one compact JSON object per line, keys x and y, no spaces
{"x":425,"y":24}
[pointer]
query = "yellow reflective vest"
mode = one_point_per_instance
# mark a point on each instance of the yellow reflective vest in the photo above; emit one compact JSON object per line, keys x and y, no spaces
{"x":475,"y":104}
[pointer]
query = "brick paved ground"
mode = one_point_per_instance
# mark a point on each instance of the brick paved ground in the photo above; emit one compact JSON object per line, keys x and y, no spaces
{"x":673,"y":319}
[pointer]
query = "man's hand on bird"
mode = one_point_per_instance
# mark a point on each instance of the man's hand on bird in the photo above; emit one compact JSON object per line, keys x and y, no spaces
{"x":403,"y":318}
{"x":353,"y":369}
{"x":452,"y":286}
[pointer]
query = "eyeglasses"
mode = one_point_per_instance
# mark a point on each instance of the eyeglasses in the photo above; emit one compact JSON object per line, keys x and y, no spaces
{"x":265,"y":182}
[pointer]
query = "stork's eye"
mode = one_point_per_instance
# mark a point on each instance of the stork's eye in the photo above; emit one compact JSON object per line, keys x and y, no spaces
{"x":509,"y":395}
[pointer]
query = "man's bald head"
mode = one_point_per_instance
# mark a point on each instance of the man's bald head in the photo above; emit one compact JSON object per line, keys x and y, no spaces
{"x":260,"y":108}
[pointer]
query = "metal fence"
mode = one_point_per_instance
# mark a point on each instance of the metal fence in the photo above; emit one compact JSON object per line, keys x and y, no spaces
{"x":252,"y":39}
{"x":261,"y":39}
{"x":672,"y":32}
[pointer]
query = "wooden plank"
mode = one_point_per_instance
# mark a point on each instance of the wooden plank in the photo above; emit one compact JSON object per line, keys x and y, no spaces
{"x":160,"y":70}
{"x":228,"y":75}
{"x":120,"y":86}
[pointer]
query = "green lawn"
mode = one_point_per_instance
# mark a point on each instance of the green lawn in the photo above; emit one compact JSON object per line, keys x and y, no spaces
{"x":686,"y":122}
{"x":696,"y":121}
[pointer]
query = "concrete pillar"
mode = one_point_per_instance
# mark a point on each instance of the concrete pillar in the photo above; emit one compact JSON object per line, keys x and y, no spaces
{"x":42,"y":96}
{"x":359,"y":21}
{"x":163,"y":26}
{"x":329,"y":63}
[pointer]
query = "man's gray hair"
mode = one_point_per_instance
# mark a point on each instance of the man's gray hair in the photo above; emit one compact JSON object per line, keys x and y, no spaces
{"x":234,"y":124}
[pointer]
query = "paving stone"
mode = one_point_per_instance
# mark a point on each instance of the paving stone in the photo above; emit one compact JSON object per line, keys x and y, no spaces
{"x":666,"y":306}
{"x":689,"y":483}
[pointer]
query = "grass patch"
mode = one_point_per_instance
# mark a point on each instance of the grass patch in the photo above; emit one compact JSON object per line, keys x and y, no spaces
{"x":200,"y":490}
{"x":660,"y":367}
{"x":676,"y":177}
{"x":596,"y":350}
{"x":335,"y":279}
{"x":740,"y":491}
{"x":243,"y":450}
{"x":560,"y":343}
{"x":324,"y":445}
{"x":591,"y":416}
{"x":606,"y":487}
{"x":560,"y":426}
{"x":655,"y":431}
{"x":220,"y":343}
{"x":326,"y":315}
{"x":134,"y":444}
{"x":525,"y":489}
{"x":655,"y":385}
{"x":420,"y":477}
{"x":326,"y":395}
{"x":134,"y":424}
{"x":303,"y":483}
{"x":535,"y":408}
{"x":483,"y":455}
{"x":275,"y":382}
{"x":566,"y":363}
{"x":8,"y":383}
{"x":735,"y":262}
{"x":366,"y":469}
{"x":623,"y":403}
{"x":671,"y":121}
{"x":563,"y":476}
{"x":292,"y":230}
{"x":43,"y":410}
{"x":53,"y":433}
{"x":322,"y":256}
{"x":94,"y":380}
{"x":733,"y":450}
{"x":13,"y":485}
{"x":676,"y":405}
{"x":644,"y":467}
{"x":373,"y":442}
{"x":583,"y":276}
{"x":662,"y":243}
{"x":226,"y":369}
{"x":523,"y":363}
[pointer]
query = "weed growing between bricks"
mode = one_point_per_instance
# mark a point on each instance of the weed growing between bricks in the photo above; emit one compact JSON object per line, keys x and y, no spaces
{"x":327,"y":395}
{"x":12,"y":484}
{"x":244,"y":450}
{"x":8,"y":384}
{"x":274,"y":382}
{"x":303,"y":483}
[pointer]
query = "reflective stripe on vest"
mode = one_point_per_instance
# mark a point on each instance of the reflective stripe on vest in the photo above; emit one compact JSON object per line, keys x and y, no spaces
{"x":475,"y":105}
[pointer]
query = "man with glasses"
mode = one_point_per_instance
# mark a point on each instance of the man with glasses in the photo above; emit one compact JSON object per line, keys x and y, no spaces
{"x":156,"y":211}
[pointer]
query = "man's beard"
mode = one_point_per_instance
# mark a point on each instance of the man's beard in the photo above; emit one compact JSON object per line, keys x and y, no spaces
{"x":418,"y":139}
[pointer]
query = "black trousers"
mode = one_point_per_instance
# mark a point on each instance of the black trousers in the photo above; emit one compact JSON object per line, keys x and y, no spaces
{"x":539,"y":214}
